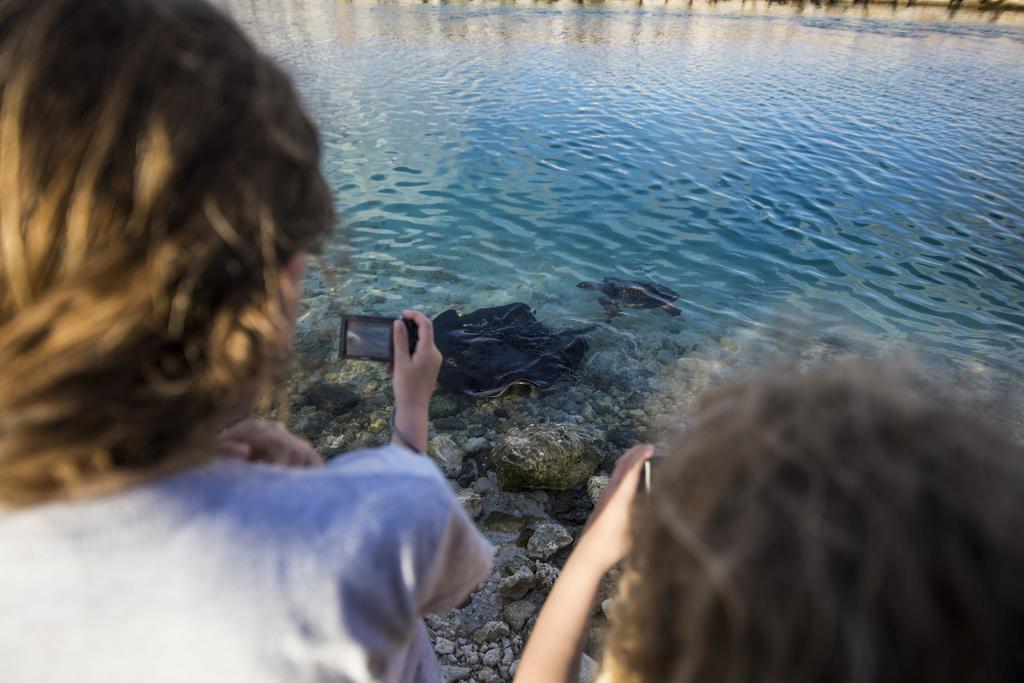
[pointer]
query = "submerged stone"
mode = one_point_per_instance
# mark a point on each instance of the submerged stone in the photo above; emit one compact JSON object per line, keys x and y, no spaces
{"x":475,"y":444}
{"x":335,"y":399}
{"x":442,"y":405}
{"x":546,"y":456}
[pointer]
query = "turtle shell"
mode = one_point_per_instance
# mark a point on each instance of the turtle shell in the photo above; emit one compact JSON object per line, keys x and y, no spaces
{"x":639,"y":293}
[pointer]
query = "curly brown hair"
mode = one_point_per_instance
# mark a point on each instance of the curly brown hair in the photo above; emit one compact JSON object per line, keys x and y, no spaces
{"x":156,"y":173}
{"x":831,"y":525}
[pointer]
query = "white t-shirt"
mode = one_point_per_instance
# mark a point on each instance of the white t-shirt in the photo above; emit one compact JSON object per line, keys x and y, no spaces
{"x":239,"y":572}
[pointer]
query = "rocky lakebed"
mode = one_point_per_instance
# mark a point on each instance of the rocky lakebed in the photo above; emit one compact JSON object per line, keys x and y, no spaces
{"x":528,"y":466}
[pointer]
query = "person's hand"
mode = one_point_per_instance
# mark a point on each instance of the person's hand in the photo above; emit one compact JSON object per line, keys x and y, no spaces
{"x":415,"y":375}
{"x":266,"y":441}
{"x":607,"y":538}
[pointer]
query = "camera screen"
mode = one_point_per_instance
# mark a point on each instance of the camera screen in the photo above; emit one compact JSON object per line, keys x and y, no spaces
{"x":368,"y":339}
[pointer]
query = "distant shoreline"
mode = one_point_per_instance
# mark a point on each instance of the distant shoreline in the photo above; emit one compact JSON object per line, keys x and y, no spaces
{"x":981,"y":6}
{"x":994,"y":6}
{"x":1006,"y":12}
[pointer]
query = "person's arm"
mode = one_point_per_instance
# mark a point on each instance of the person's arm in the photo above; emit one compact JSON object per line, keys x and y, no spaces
{"x":553,"y":652}
{"x":414,"y":377}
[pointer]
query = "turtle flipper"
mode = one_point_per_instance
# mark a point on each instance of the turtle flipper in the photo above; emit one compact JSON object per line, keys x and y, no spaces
{"x":671,"y":310}
{"x":609,"y":306}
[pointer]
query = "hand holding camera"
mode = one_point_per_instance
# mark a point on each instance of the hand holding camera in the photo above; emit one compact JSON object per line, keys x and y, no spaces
{"x":407,"y":344}
{"x":416,"y":363}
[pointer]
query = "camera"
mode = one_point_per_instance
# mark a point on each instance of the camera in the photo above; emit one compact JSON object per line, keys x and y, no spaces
{"x":647,"y":474}
{"x":367,"y":337}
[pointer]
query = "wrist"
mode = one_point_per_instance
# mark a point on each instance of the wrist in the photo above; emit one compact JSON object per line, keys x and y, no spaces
{"x":409,"y":426}
{"x":592,"y":553}
{"x":412,"y":406}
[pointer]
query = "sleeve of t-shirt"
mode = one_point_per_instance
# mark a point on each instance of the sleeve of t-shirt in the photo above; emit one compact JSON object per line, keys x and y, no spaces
{"x":428,"y":548}
{"x":461,"y":562}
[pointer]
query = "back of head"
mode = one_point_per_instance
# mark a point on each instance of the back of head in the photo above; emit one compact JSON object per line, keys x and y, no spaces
{"x":156,"y":172}
{"x":833,"y":525}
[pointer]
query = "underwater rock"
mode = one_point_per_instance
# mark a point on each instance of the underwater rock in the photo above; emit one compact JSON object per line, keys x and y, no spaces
{"x":485,"y":484}
{"x":310,"y":425}
{"x":475,"y":445}
{"x":443,"y":451}
{"x":469,"y":473}
{"x":442,"y":405}
{"x":622,"y":437}
{"x":451,"y":424}
{"x":335,"y":399}
{"x":546,"y":456}
{"x":547,"y":540}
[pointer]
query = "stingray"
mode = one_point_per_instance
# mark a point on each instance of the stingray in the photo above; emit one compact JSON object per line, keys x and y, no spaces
{"x":489,"y":350}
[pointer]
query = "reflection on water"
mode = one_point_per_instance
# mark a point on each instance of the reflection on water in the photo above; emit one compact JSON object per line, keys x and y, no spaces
{"x":845,"y":171}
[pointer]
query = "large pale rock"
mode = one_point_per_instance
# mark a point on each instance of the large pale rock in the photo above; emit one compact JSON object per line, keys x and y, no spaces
{"x":546,"y":456}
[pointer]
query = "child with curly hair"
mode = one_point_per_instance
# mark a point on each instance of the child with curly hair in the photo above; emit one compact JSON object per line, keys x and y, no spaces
{"x":830,"y":525}
{"x":159,"y":191}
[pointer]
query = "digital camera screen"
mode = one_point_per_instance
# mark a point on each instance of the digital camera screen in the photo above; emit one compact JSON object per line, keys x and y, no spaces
{"x":368,"y":339}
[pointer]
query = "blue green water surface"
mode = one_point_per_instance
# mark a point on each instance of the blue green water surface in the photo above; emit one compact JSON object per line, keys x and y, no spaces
{"x":852,"y":176}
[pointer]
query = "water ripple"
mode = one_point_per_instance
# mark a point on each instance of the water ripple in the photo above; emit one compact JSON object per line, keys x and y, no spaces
{"x":870,"y":171}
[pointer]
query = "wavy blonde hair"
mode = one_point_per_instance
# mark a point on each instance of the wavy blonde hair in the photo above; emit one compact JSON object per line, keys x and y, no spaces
{"x":156,"y":173}
{"x":830,"y":525}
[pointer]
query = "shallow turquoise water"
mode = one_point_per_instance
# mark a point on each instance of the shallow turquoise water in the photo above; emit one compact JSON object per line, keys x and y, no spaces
{"x":844,"y":176}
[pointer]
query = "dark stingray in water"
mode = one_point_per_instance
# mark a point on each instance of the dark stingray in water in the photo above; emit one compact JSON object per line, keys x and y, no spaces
{"x":489,"y":350}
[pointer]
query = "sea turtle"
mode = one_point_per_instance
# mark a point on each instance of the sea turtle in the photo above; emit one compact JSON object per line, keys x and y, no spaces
{"x":633,"y":294}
